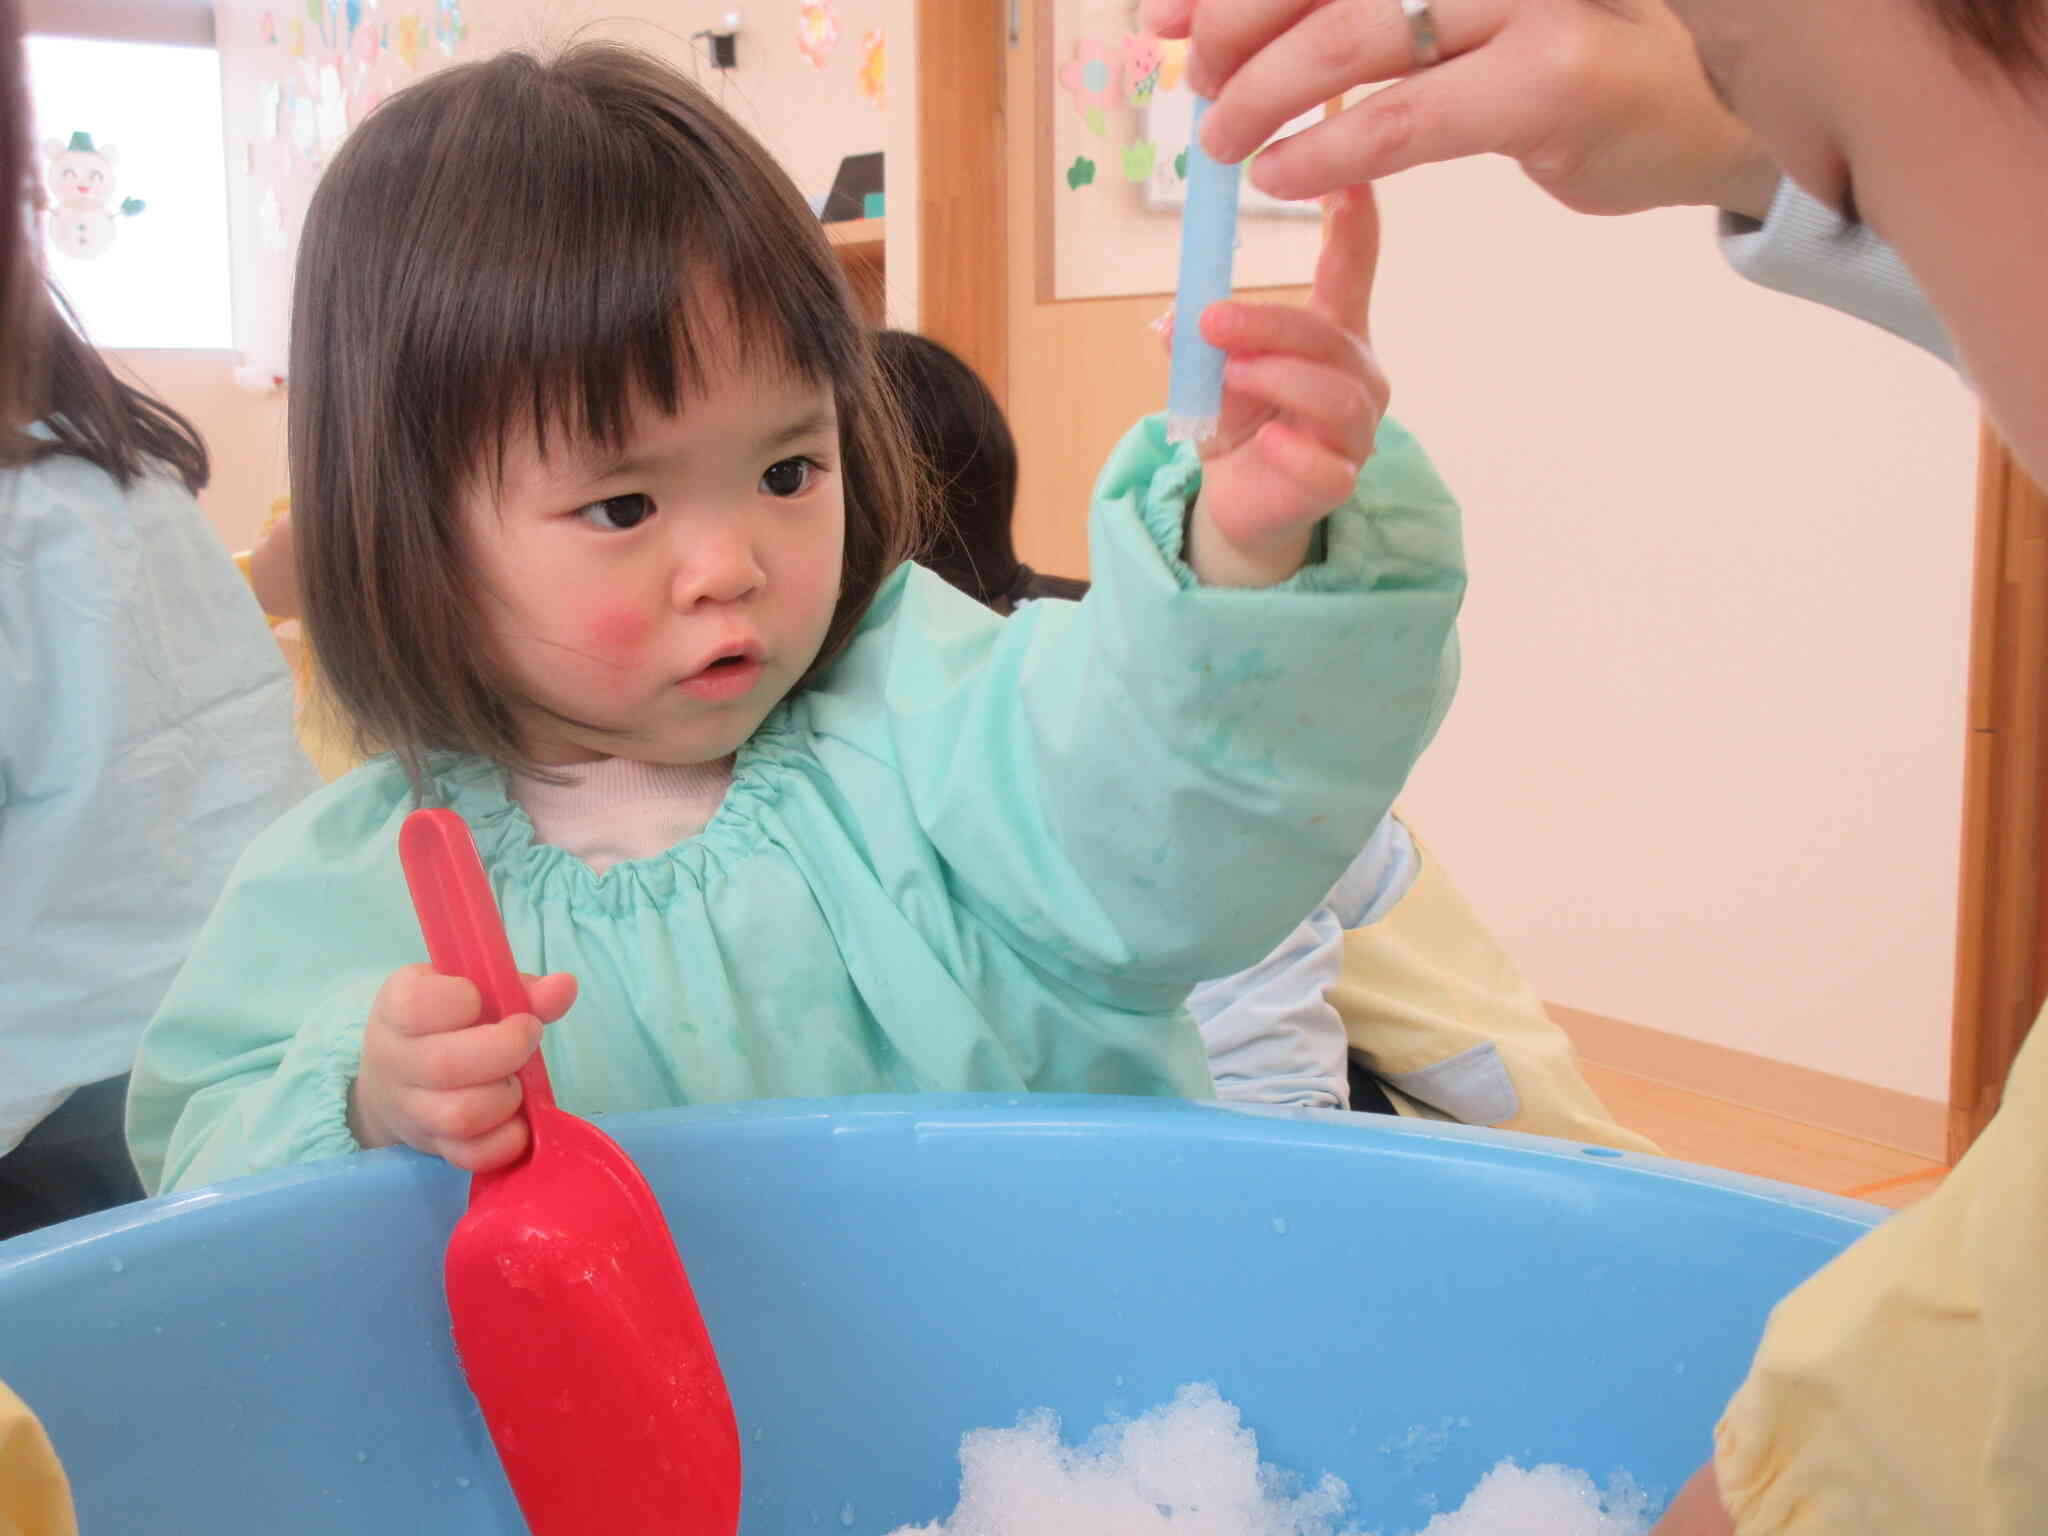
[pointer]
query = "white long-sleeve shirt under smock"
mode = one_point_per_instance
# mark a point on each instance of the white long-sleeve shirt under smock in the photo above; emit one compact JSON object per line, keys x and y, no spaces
{"x":145,"y":739}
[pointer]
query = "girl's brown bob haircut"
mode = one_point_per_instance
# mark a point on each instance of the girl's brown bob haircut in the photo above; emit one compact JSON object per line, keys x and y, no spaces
{"x":526,"y":244}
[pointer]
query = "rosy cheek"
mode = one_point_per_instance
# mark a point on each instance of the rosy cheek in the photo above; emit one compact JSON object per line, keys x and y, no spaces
{"x":617,"y":635}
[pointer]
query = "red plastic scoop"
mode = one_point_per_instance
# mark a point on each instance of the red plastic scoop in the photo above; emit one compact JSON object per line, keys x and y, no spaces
{"x":573,"y":1318}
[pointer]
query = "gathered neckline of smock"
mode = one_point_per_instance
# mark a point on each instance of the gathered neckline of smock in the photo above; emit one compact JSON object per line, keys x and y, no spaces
{"x":479,"y":790}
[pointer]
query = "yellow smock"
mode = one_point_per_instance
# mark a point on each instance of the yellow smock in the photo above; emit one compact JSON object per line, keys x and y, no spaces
{"x":35,"y":1500}
{"x":1904,"y":1388}
{"x":1436,"y":1010}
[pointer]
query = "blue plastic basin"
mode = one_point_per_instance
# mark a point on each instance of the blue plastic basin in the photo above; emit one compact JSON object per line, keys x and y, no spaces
{"x":1399,"y":1304}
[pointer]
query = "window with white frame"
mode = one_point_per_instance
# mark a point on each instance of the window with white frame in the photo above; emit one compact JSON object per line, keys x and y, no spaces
{"x":134,"y":231}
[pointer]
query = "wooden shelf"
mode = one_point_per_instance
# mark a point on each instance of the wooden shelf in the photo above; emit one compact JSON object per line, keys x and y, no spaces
{"x":860,"y":245}
{"x":855,"y":234}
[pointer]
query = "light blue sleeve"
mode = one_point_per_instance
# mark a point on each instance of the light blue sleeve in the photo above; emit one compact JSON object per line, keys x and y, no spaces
{"x":248,"y":1064}
{"x":1151,"y":786}
{"x":1272,"y":1035}
{"x":145,"y":739}
{"x":1806,"y":249}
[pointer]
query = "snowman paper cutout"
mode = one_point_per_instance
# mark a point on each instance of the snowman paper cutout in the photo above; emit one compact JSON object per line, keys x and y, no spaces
{"x":83,"y":216}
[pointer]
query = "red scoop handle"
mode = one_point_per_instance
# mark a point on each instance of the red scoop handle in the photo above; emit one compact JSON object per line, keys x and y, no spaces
{"x":459,"y":916}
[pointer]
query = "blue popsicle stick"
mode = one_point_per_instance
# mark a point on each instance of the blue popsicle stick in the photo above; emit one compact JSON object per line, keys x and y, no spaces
{"x":1208,"y":245}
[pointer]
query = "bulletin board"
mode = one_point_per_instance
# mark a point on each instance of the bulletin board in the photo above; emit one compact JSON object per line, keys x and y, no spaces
{"x":1116,"y":119}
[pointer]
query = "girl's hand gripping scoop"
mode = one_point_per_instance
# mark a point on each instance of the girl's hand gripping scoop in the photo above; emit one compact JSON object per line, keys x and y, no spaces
{"x":574,"y":1320}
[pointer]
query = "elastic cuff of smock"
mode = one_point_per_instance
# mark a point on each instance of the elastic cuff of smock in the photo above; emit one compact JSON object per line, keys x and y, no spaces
{"x":328,"y":1135}
{"x":1335,"y":564}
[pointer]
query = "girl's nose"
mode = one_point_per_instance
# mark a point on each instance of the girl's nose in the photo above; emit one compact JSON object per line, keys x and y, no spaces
{"x":717,"y":566}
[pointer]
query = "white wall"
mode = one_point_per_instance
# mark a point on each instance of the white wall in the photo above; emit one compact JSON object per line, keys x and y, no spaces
{"x":1705,"y":770}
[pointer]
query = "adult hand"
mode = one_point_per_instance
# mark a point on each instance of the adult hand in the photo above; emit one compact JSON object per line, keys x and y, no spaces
{"x":1697,"y":1510}
{"x":1602,"y":102}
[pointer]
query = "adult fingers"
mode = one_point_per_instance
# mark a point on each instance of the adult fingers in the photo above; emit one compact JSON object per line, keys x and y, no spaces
{"x":1224,"y":33}
{"x":1479,"y":103}
{"x":1334,"y":47}
{"x":1166,"y":18}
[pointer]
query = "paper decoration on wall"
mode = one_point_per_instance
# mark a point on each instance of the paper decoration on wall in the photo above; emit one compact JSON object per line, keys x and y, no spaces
{"x":84,"y":217}
{"x":1090,"y":78}
{"x":1167,"y":121}
{"x":316,"y":69}
{"x":1173,"y":64}
{"x":1080,"y":173}
{"x":817,"y":32}
{"x":1144,"y":59}
{"x":449,"y":27}
{"x":873,"y":69}
{"x":409,"y":40}
{"x":1139,"y":159}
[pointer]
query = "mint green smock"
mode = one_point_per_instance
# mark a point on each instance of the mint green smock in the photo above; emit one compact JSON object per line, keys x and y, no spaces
{"x":976,"y":855}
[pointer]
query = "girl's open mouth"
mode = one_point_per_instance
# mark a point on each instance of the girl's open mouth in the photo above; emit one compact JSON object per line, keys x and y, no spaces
{"x":727,"y":678}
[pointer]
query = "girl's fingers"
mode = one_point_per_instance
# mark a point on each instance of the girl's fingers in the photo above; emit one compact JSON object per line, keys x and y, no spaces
{"x":467,"y":1058}
{"x":1322,"y":478}
{"x":550,"y":996}
{"x":1256,"y":330}
{"x":1333,"y":408}
{"x":448,"y":1118}
{"x":494,"y":1149}
{"x":419,"y":1001}
{"x":1348,"y":261}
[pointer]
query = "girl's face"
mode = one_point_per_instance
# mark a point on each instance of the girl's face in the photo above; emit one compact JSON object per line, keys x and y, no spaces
{"x":1871,"y":103}
{"x":655,"y":602}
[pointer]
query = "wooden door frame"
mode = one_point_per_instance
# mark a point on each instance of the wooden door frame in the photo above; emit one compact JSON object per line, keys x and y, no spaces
{"x":963,"y":263}
{"x":2002,"y":915}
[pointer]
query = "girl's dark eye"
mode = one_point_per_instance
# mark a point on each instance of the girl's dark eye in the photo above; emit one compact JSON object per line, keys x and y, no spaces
{"x":788,"y":477}
{"x":615,"y":514}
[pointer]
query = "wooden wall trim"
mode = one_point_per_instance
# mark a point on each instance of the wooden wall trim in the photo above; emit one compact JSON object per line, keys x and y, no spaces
{"x":1863,"y":1110}
{"x":963,"y":268}
{"x":2002,"y":926}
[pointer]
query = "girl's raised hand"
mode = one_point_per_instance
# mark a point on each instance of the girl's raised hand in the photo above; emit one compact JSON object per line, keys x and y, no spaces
{"x":435,"y":1079}
{"x":1302,"y":401}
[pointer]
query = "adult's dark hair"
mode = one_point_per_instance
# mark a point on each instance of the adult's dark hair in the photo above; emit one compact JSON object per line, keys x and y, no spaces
{"x":957,"y":429}
{"x":520,"y":245}
{"x":90,"y":412}
{"x":2014,"y":32}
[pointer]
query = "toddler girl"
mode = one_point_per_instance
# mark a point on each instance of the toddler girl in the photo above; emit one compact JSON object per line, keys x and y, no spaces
{"x":602,"y":518}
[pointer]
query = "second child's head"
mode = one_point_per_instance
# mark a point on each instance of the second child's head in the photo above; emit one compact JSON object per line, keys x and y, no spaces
{"x":588,"y":452}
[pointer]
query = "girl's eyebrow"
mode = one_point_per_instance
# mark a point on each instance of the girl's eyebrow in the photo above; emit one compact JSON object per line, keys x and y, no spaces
{"x":809,"y":422}
{"x":814,"y":422}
